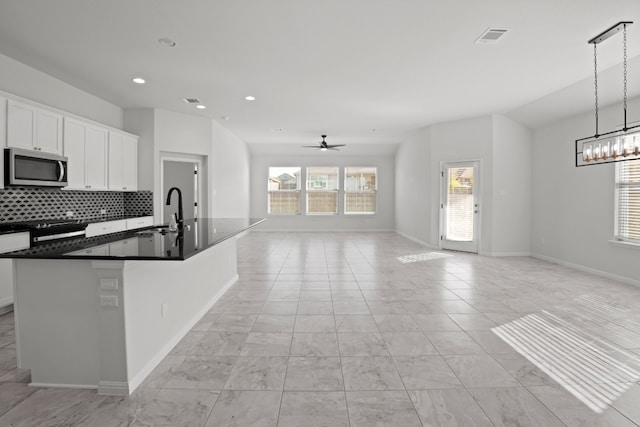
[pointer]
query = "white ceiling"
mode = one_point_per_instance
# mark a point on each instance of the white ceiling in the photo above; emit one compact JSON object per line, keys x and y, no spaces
{"x":336,"y":67}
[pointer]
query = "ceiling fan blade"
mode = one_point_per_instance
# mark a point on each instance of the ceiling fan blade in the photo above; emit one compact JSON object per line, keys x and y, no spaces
{"x":336,"y":145}
{"x":310,"y":146}
{"x":332,"y":149}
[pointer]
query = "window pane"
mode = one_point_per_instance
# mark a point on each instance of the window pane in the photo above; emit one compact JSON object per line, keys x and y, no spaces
{"x":628,"y":200}
{"x":284,"y":190}
{"x":322,"y":202}
{"x":360,"y":185}
{"x":322,"y":178}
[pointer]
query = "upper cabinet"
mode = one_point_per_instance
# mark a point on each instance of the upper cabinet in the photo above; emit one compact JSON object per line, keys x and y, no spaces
{"x":85,"y":146}
{"x":123,"y":162}
{"x":33,"y":128}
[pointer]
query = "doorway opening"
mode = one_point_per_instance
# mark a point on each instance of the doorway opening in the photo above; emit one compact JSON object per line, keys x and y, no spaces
{"x":184,"y":172}
{"x":459,"y":206}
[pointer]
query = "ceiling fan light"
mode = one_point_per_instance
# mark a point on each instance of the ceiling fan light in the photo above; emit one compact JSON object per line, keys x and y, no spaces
{"x":323,"y":149}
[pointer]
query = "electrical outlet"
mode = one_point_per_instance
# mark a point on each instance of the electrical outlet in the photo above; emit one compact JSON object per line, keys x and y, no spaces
{"x":69,"y":214}
{"x":108,"y":300}
{"x":108,"y":283}
{"x":103,"y":211}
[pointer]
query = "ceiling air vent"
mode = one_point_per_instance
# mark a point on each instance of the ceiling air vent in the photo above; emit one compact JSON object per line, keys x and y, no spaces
{"x":492,"y":35}
{"x":192,"y":100}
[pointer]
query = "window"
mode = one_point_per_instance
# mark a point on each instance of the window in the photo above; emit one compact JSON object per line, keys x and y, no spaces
{"x":284,"y":190}
{"x":322,"y":190}
{"x":628,"y":201}
{"x":360,"y":190}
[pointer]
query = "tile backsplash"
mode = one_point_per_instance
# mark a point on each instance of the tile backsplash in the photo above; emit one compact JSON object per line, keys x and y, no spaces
{"x":18,"y":204}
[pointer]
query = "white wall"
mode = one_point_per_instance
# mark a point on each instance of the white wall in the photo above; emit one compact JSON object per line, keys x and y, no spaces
{"x":413,"y":213}
{"x":512,"y":165}
{"x":226,"y":157}
{"x":19,"y":79}
{"x":573,"y":208}
{"x":382,"y":220}
{"x":503,"y":148}
{"x":231,"y":171}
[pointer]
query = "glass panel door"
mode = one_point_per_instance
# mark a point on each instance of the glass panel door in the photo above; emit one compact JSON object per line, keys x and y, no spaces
{"x":459,"y":206}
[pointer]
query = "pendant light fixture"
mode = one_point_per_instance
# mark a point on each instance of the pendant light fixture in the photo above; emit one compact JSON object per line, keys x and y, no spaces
{"x":618,"y":145}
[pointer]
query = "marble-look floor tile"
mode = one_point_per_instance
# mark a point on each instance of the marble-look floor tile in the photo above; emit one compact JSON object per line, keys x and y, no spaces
{"x":454,"y":342}
{"x":425,"y":372}
{"x":473,"y":322}
{"x":280,"y":307}
{"x":165,"y":370}
{"x":370,"y":373}
{"x":314,"y":344}
{"x":522,"y":370}
{"x":435,"y":322}
{"x":313,"y":409}
{"x":514,"y":406}
{"x":351,"y":307}
{"x":480,"y":370}
{"x":573,"y":412}
{"x":315,"y":323}
{"x":113,"y":411}
{"x":16,"y":375}
{"x":257,"y":373}
{"x":381,"y":409}
{"x":201,"y":372}
{"x":178,"y":408}
{"x":47,"y":407}
{"x":12,"y":394}
{"x":273,"y":323}
{"x":219,"y":344}
{"x":314,"y":374}
{"x":267,"y":344}
{"x":245,"y":408}
{"x":408,"y":344}
{"x":233,"y":323}
{"x":627,"y":403}
{"x":396,"y":323}
{"x":448,"y":408}
{"x":355,"y":323}
{"x":490,"y":342}
{"x":315,"y":307}
{"x":362,"y":344}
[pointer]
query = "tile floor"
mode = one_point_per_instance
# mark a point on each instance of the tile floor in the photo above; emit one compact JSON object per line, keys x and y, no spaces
{"x":371,"y":329}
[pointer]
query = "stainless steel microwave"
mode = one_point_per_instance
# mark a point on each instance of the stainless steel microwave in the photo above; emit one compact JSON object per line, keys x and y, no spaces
{"x":34,"y":168}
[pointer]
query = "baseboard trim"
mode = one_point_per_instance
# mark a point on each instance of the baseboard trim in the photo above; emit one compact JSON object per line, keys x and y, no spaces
{"x":6,"y":306}
{"x":73,"y":386}
{"x":324,"y":230}
{"x":413,"y":239}
{"x":589,"y":270}
{"x":164,"y":351}
{"x":114,"y":388}
{"x":508,"y":254}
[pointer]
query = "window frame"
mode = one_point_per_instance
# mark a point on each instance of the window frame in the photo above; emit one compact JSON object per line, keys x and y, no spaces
{"x":311,"y":190}
{"x":618,"y":185}
{"x":297,"y":190}
{"x":347,"y":192}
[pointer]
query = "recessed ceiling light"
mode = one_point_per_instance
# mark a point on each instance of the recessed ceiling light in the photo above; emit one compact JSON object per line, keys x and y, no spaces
{"x":201,"y":107}
{"x":250,"y":98}
{"x":139,"y":80}
{"x":167,"y":42}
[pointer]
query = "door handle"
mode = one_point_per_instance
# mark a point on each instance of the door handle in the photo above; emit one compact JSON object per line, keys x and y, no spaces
{"x":61,"y":166}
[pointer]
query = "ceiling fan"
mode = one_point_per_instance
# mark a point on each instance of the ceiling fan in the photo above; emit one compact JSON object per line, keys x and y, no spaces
{"x":324,"y":146}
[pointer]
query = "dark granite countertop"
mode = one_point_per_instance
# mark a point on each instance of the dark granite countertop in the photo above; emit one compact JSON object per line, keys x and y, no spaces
{"x":151,"y":243}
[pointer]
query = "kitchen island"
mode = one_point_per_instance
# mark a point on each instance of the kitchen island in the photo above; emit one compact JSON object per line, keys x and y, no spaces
{"x":102,"y":312}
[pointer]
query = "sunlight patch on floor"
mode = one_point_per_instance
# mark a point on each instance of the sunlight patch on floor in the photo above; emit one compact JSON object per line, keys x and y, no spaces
{"x":426,"y":256}
{"x":562,"y":344}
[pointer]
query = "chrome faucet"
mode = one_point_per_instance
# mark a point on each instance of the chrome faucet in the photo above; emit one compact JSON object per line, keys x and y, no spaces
{"x":180,"y":215}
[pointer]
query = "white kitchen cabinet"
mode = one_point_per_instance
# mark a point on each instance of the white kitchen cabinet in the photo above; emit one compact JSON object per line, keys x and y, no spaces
{"x":123,"y":162}
{"x":102,"y":250}
{"x":33,"y":128}
{"x":107,"y":227}
{"x":86,"y":147}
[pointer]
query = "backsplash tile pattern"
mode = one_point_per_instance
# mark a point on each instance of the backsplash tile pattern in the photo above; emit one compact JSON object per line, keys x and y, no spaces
{"x":18,"y":204}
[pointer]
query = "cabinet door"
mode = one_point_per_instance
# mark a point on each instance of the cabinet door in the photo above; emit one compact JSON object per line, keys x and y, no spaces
{"x":130,"y":164}
{"x":96,"y":158}
{"x":115,"y":161}
{"x":48,"y":132}
{"x":74,"y":140}
{"x":21,"y":125}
